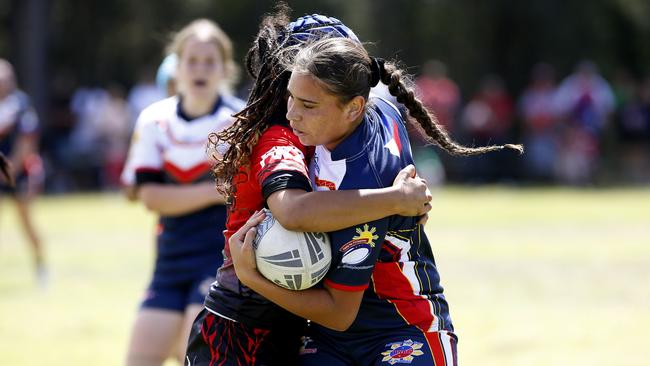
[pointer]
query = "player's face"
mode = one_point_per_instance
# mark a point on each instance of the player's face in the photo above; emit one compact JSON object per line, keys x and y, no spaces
{"x":315,"y":115}
{"x":200,"y":69}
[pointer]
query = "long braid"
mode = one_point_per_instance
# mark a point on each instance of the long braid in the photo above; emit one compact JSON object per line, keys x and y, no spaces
{"x":392,"y":76}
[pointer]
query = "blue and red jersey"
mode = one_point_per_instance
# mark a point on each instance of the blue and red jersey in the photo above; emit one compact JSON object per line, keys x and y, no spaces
{"x":389,"y":259}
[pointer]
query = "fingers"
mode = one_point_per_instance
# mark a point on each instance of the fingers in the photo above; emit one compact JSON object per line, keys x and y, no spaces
{"x":253,"y":221}
{"x":250,"y":236}
{"x":407,"y":172}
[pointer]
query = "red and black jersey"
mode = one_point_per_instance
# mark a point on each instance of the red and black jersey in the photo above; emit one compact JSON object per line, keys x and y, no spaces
{"x":278,"y":161}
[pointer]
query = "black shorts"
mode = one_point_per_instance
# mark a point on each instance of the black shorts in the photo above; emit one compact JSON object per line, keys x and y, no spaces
{"x":215,"y":340}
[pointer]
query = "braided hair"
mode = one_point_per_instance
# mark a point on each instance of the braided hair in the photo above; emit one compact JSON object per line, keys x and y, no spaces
{"x":266,"y":103}
{"x":346,"y":70}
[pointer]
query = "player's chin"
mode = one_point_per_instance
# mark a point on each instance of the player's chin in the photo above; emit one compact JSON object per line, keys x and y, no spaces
{"x":306,"y":140}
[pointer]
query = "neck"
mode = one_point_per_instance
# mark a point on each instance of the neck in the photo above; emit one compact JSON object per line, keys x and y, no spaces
{"x":332,"y":145}
{"x":196,"y":107}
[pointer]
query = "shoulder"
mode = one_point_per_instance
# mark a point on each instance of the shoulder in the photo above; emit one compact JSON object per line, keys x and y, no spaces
{"x":233,"y":103}
{"x":163,"y":109}
{"x":279,"y":141}
{"x":279,"y":134}
{"x":384,"y":107}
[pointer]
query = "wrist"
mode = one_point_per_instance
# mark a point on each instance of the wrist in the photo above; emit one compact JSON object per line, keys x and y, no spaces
{"x":395,"y":199}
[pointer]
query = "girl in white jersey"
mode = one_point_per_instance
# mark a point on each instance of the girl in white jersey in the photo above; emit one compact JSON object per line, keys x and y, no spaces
{"x":172,"y":178}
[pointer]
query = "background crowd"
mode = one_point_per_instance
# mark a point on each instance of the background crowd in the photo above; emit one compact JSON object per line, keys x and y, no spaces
{"x":570,"y":82}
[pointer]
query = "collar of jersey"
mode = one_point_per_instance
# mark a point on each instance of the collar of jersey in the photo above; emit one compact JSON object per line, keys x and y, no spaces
{"x":357,"y":142}
{"x":181,"y":114}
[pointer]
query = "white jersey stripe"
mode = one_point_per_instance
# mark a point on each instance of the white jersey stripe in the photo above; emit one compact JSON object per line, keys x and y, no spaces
{"x":408,"y":270}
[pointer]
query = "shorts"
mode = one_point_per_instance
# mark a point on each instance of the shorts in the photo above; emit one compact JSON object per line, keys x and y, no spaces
{"x":215,"y":340}
{"x":408,"y":346}
{"x":177,"y":296}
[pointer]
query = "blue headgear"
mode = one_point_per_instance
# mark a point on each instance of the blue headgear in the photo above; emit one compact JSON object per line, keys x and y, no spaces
{"x":308,"y":26}
{"x":166,"y":71}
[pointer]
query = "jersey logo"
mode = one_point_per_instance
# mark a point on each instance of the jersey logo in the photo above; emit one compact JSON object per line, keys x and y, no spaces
{"x":402,"y":352}
{"x":279,"y":153}
{"x":359,"y":248}
{"x":367,"y":233}
{"x":325,"y":183}
{"x":305,"y":349}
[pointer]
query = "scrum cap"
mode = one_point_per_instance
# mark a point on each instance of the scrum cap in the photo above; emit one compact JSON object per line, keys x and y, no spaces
{"x":308,"y":26}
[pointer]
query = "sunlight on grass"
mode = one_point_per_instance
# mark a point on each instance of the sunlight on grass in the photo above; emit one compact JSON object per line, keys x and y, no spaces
{"x":533,"y":276}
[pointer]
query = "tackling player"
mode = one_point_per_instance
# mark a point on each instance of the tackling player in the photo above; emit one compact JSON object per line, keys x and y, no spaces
{"x":381,"y":301}
{"x":266,"y":165}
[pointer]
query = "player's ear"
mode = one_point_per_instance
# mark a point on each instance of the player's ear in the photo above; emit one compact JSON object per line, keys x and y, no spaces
{"x":354,"y":108}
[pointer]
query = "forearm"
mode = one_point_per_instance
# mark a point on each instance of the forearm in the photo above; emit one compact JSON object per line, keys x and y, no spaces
{"x":325,"y":211}
{"x":172,"y":200}
{"x":315,"y":304}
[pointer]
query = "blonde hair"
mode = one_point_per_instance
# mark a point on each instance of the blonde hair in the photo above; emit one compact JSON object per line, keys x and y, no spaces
{"x":207,"y":30}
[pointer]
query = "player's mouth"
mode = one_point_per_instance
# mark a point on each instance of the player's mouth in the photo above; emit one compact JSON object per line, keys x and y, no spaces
{"x":297,"y":132}
{"x":200,"y":83}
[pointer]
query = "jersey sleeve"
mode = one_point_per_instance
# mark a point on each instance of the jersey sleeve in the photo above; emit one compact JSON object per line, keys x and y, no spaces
{"x":354,"y":253}
{"x":145,"y":161}
{"x":279,"y":162}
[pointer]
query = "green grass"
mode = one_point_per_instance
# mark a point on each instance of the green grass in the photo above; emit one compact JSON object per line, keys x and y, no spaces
{"x":533,"y":277}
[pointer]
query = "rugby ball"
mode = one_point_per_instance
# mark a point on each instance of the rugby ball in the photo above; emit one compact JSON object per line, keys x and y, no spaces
{"x":291,"y":259}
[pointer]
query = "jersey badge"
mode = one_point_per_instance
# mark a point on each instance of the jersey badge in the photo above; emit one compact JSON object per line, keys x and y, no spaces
{"x":325,"y":183}
{"x":359,"y":248}
{"x":402,"y":352}
{"x":305,"y":349}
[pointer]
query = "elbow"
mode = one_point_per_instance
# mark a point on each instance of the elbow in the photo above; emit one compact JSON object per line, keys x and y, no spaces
{"x":342,"y":320}
{"x":147,"y":198}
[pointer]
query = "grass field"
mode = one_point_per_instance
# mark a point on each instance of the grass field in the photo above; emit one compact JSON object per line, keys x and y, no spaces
{"x":533,"y":277}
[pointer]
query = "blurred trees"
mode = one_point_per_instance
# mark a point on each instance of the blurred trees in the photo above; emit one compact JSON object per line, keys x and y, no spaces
{"x":96,"y":42}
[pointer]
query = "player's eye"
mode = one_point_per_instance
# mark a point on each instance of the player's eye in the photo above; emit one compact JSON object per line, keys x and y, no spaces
{"x":309,"y":105}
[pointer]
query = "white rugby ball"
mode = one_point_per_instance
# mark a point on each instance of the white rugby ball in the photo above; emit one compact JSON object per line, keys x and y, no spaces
{"x":291,"y":259}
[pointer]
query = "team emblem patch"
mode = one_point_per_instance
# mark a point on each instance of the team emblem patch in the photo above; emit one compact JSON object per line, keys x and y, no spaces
{"x":368,"y":234}
{"x":305,"y":349}
{"x":402,"y":352}
{"x":358,"y":249}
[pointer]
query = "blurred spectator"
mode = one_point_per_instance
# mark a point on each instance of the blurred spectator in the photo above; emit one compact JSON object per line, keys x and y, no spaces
{"x":114,"y":130}
{"x":58,"y":130}
{"x":585,"y":101}
{"x":540,"y":124}
{"x":144,"y":93}
{"x":83,"y":157}
{"x":488,"y":119}
{"x":19,"y":129}
{"x":634,"y":134}
{"x":438,"y":93}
